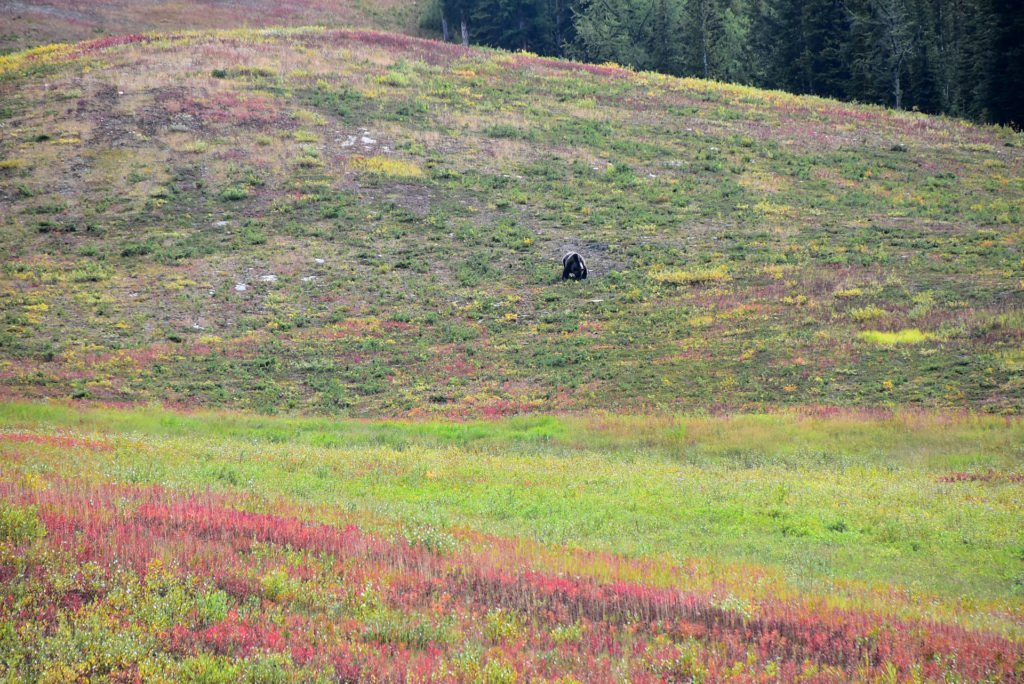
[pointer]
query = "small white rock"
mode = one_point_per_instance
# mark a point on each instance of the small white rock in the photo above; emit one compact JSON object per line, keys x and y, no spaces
{"x":241,"y":287}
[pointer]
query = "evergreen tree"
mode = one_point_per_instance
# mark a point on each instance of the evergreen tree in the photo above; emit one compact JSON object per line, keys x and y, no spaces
{"x":716,"y":34}
{"x":802,"y":46}
{"x":945,"y":42}
{"x":514,"y":25}
{"x":563,"y":24}
{"x":1005,"y":94}
{"x":926,"y":67}
{"x":456,"y":13}
{"x":828,"y":28}
{"x":883,"y":39}
{"x":977,"y":58}
{"x":541,"y":26}
{"x":622,"y":31}
{"x":666,"y":24}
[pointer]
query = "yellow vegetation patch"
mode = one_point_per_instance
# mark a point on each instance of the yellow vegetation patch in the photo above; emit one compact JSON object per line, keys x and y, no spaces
{"x":696,"y":276}
{"x":180,"y":284}
{"x":891,"y":339}
{"x":771,"y":209}
{"x":384,"y":166}
{"x":35,"y":56}
{"x":701,"y":321}
{"x":310,"y":118}
{"x":867,"y":313}
{"x":762,"y":182}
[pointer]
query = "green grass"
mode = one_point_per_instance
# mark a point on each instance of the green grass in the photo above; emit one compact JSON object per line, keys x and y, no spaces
{"x":844,"y":499}
{"x":908,"y":439}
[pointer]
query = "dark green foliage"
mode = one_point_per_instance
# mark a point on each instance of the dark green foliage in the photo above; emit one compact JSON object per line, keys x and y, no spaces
{"x":136,"y":249}
{"x":959,"y":57}
{"x":514,"y":24}
{"x":337,"y":100}
{"x":1005,"y":95}
{"x":541,"y":26}
{"x":802,"y":42}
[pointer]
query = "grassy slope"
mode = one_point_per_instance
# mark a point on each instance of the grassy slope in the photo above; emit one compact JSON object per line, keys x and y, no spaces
{"x":142,"y":543}
{"x":852,"y":507}
{"x":42,"y":22}
{"x":118,"y":581}
{"x":338,"y":221}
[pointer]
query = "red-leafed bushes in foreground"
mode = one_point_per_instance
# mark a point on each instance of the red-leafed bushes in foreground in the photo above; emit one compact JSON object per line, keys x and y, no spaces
{"x":122,"y":582}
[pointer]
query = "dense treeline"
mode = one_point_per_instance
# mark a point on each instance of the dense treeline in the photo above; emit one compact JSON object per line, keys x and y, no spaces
{"x":958,"y":57}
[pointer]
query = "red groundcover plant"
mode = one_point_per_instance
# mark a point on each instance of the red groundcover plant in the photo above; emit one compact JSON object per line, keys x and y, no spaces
{"x":196,"y":578}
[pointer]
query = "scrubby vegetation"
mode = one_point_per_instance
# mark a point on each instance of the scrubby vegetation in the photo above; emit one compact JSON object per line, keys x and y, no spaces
{"x":224,"y":546}
{"x":368,"y":224}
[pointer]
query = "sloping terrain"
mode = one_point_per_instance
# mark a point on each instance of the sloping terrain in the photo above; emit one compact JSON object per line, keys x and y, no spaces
{"x":30,"y":23}
{"x":356,"y":222}
{"x":147,"y":545}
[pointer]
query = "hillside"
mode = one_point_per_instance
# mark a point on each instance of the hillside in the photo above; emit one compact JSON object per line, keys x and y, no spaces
{"x":353,"y":222}
{"x":43,"y":22}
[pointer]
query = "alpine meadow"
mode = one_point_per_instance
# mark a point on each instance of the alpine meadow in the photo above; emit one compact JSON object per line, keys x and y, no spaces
{"x":293,"y":388}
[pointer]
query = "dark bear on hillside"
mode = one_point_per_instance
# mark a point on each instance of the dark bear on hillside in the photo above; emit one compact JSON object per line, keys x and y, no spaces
{"x":574,"y":267}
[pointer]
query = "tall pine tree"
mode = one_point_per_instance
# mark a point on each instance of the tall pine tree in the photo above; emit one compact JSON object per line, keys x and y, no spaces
{"x":802,"y":45}
{"x":883,"y":39}
{"x":716,"y":35}
{"x":624,"y":31}
{"x":1005,"y":94}
{"x":515,"y":25}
